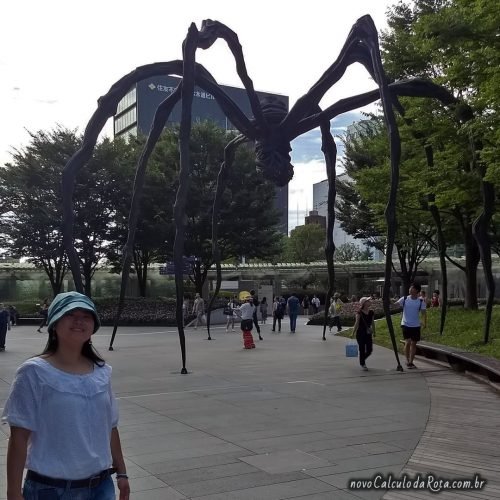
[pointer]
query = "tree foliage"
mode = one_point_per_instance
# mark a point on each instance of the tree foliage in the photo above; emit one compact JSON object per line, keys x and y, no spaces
{"x":31,"y":202}
{"x":30,"y":187}
{"x":456,"y":43}
{"x":248,"y":221}
{"x":348,"y":252}
{"x":155,"y":232}
{"x":365,"y":190}
{"x":307,"y":243}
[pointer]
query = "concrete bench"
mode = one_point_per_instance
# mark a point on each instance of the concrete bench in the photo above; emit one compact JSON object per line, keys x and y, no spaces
{"x":461,"y":360}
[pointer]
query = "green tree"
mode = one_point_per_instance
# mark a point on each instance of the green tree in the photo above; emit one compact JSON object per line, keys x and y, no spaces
{"x":363,"y":196}
{"x":98,"y":192}
{"x":30,"y":186}
{"x":307,"y":243}
{"x":456,"y":43}
{"x":155,"y":231}
{"x":248,"y":221}
{"x":31,"y":202}
{"x":348,"y":252}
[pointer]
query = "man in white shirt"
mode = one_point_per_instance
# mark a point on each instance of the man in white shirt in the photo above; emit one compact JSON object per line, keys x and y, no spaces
{"x":199,"y":310}
{"x":316,"y":304}
{"x":414,"y":308}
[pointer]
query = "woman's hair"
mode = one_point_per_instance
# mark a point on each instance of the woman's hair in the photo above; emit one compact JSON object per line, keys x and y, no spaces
{"x":88,"y":350}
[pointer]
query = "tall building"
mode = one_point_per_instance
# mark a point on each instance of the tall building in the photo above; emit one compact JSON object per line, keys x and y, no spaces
{"x":320,"y":204}
{"x":136,"y":111}
{"x":315,"y":218}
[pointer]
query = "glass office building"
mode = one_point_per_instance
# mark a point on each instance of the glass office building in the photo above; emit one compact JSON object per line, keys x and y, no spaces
{"x":136,"y":111}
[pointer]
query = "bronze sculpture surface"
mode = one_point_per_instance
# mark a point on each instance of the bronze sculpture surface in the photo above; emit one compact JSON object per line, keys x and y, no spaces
{"x":271,"y":130}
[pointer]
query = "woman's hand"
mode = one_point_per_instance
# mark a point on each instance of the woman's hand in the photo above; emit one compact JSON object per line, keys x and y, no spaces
{"x":124,"y":487}
{"x":17,"y":496}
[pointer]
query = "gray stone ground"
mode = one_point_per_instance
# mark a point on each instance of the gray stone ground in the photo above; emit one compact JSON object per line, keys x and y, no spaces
{"x":293,"y":418}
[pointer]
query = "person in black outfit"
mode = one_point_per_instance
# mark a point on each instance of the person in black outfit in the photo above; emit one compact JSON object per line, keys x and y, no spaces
{"x":44,"y":310}
{"x":255,"y":320}
{"x":278,"y":312}
{"x":364,"y":329}
{"x":4,"y":326}
{"x":13,"y":315}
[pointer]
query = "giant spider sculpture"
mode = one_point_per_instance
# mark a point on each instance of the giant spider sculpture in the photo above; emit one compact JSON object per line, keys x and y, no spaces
{"x":271,"y":130}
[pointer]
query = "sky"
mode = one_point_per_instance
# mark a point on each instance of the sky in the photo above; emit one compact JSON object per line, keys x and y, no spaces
{"x":59,"y":56}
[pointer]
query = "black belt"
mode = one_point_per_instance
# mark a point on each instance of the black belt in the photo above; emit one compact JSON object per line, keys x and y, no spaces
{"x":91,"y":482}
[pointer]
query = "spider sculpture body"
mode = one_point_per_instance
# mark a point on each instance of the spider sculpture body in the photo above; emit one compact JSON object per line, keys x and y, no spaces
{"x":271,"y":130}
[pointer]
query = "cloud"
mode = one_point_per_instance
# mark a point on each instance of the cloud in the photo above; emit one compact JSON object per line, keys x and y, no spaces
{"x":307,"y":147}
{"x":47,"y":101}
{"x":309,"y":166}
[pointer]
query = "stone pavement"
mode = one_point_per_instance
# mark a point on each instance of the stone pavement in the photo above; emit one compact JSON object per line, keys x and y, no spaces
{"x":293,"y":418}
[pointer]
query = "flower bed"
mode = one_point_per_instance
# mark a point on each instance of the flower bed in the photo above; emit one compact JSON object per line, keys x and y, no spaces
{"x":349,"y":310}
{"x":143,"y":311}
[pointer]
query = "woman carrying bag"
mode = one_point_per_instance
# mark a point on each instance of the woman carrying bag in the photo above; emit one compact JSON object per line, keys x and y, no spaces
{"x":364,"y":330}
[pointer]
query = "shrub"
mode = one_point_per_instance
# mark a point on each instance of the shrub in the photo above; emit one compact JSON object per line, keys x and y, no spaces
{"x":349,"y":310}
{"x":143,"y":311}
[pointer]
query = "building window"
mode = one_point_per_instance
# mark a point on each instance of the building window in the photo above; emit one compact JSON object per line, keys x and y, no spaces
{"x":128,"y":100}
{"x":130,"y":133}
{"x":126,"y":120}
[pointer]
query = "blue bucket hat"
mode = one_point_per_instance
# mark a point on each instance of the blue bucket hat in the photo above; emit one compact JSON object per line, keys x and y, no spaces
{"x":63,"y":303}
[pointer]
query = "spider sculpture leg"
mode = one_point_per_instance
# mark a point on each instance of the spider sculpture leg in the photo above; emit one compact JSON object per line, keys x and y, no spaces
{"x":204,"y":39}
{"x":329,"y":149}
{"x":188,"y":51}
{"x":441,"y":243}
{"x":362,"y":46}
{"x":229,"y":153}
{"x":480,"y":229}
{"x":107,"y":106}
{"x":160,"y":118}
{"x":210,"y":32}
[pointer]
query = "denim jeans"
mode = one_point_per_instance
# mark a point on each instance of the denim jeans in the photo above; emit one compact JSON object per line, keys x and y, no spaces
{"x":365,"y":343}
{"x":293,"y":321}
{"x":38,"y":491}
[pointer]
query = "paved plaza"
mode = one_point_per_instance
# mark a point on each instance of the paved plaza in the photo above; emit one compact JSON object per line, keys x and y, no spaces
{"x":293,"y":418}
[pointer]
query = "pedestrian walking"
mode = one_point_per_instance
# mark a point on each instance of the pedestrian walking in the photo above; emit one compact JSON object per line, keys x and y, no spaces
{"x":63,"y":416}
{"x":315,"y":302}
{"x":43,"y":313}
{"x":305,"y":305}
{"x":255,"y":302}
{"x":4,"y":326}
{"x":364,"y":330}
{"x":13,"y":315}
{"x":334,"y":312}
{"x":229,"y":312}
{"x":414,"y":310}
{"x":278,"y":313}
{"x":263,"y":310}
{"x":436,"y":299}
{"x":293,"y":311}
{"x":199,"y":310}
{"x":246,"y":312}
